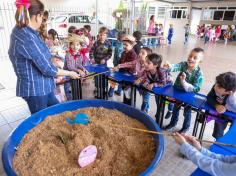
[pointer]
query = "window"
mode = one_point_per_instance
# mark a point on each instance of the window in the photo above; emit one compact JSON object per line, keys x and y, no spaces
{"x":174,"y":13}
{"x":181,"y":13}
{"x":151,"y":11}
{"x":60,"y":19}
{"x":229,"y":15}
{"x":218,"y":15}
{"x":79,"y":19}
{"x":161,"y":12}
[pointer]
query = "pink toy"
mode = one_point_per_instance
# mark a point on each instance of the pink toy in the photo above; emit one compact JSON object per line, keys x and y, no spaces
{"x":87,"y":155}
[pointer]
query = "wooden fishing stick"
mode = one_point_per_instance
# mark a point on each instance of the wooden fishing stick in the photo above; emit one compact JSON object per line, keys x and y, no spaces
{"x":165,"y":133}
{"x":93,"y":75}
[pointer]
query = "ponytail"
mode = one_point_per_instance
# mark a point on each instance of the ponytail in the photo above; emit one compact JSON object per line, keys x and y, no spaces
{"x":26,"y":9}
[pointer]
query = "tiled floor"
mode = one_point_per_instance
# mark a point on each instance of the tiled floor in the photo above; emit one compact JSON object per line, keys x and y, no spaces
{"x":218,"y":58}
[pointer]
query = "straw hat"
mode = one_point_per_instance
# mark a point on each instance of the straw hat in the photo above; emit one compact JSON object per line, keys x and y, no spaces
{"x":77,"y":38}
{"x":129,"y":38}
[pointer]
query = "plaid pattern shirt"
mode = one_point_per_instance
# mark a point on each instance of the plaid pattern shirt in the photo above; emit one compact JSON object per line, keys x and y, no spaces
{"x":32,"y":64}
{"x":100,"y":51}
{"x":195,"y":78}
{"x":73,"y":64}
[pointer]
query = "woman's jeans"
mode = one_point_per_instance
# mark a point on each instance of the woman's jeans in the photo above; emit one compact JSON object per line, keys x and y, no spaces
{"x":37,"y":103}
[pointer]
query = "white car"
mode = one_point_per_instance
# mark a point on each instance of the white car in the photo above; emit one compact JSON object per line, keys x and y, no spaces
{"x":63,"y":22}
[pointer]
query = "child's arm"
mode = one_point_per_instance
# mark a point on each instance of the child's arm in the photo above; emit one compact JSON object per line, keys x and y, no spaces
{"x":91,"y":52}
{"x":211,"y":100}
{"x":195,"y":87}
{"x":231,"y":103}
{"x":69,"y":63}
{"x":207,"y":161}
{"x":127,"y":64}
{"x":208,"y":164}
{"x":178,"y":67}
{"x":109,"y":52}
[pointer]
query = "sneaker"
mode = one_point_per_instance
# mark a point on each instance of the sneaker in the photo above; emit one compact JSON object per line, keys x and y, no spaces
{"x":168,"y":115}
{"x":183,"y":130}
{"x":147,"y":111}
{"x":168,"y":127}
{"x":117,"y":93}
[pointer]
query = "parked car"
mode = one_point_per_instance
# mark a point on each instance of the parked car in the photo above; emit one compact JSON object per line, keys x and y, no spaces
{"x":61,"y":23}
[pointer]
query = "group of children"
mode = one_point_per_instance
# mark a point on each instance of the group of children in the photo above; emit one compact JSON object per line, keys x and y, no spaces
{"x":130,"y":56}
{"x":213,"y":33}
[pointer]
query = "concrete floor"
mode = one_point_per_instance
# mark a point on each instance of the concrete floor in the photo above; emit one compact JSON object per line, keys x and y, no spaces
{"x":218,"y":58}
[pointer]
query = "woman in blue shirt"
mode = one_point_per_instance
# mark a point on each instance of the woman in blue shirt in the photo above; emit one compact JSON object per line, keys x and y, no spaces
{"x":212,"y":163}
{"x":31,"y":60}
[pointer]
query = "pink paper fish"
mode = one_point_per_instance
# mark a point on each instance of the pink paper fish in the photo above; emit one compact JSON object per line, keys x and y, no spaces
{"x":87,"y":155}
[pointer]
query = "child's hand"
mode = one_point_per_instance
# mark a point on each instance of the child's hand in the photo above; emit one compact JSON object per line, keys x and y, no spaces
{"x":192,"y":140}
{"x":137,"y":82}
{"x":103,"y":61}
{"x":150,"y":86}
{"x":116,"y":69}
{"x":183,"y":76}
{"x":220,"y":109}
{"x":179,"y":139}
{"x":167,"y":65}
{"x":92,"y":61}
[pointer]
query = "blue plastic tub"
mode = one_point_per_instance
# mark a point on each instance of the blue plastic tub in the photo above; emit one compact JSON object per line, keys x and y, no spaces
{"x":16,"y":136}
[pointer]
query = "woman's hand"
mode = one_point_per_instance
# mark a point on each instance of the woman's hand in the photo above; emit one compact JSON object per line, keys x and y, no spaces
{"x":73,"y":75}
{"x":179,"y":139}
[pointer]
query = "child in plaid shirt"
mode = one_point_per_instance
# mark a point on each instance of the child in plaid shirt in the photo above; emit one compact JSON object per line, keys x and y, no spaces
{"x":153,"y":76}
{"x":101,"y":50}
{"x":189,"y":79}
{"x":74,"y":60}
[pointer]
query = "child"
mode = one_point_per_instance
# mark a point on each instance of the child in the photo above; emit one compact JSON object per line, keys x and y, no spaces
{"x":218,"y":33}
{"x":225,"y":85}
{"x":127,"y":56}
{"x":74,"y":59}
{"x":137,"y":35}
{"x":153,"y":77}
{"x":117,"y":55}
{"x":212,"y":163}
{"x":59,"y":91}
{"x":186,"y":33}
{"x":206,"y":35}
{"x":170,"y":34}
{"x":101,"y":50}
{"x":87,"y":30}
{"x":212,"y":34}
{"x":52,"y":38}
{"x":189,"y":79}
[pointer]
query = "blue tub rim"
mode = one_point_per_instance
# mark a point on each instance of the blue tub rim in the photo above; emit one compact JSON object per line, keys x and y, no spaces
{"x":7,"y":158}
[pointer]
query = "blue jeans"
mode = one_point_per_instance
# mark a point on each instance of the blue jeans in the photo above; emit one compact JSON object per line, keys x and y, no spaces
{"x":219,"y":128}
{"x":169,"y":38}
{"x":67,"y":88}
{"x":186,"y":38}
{"x":146,"y":97}
{"x":171,"y":106}
{"x":175,"y":116}
{"x":37,"y":103}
